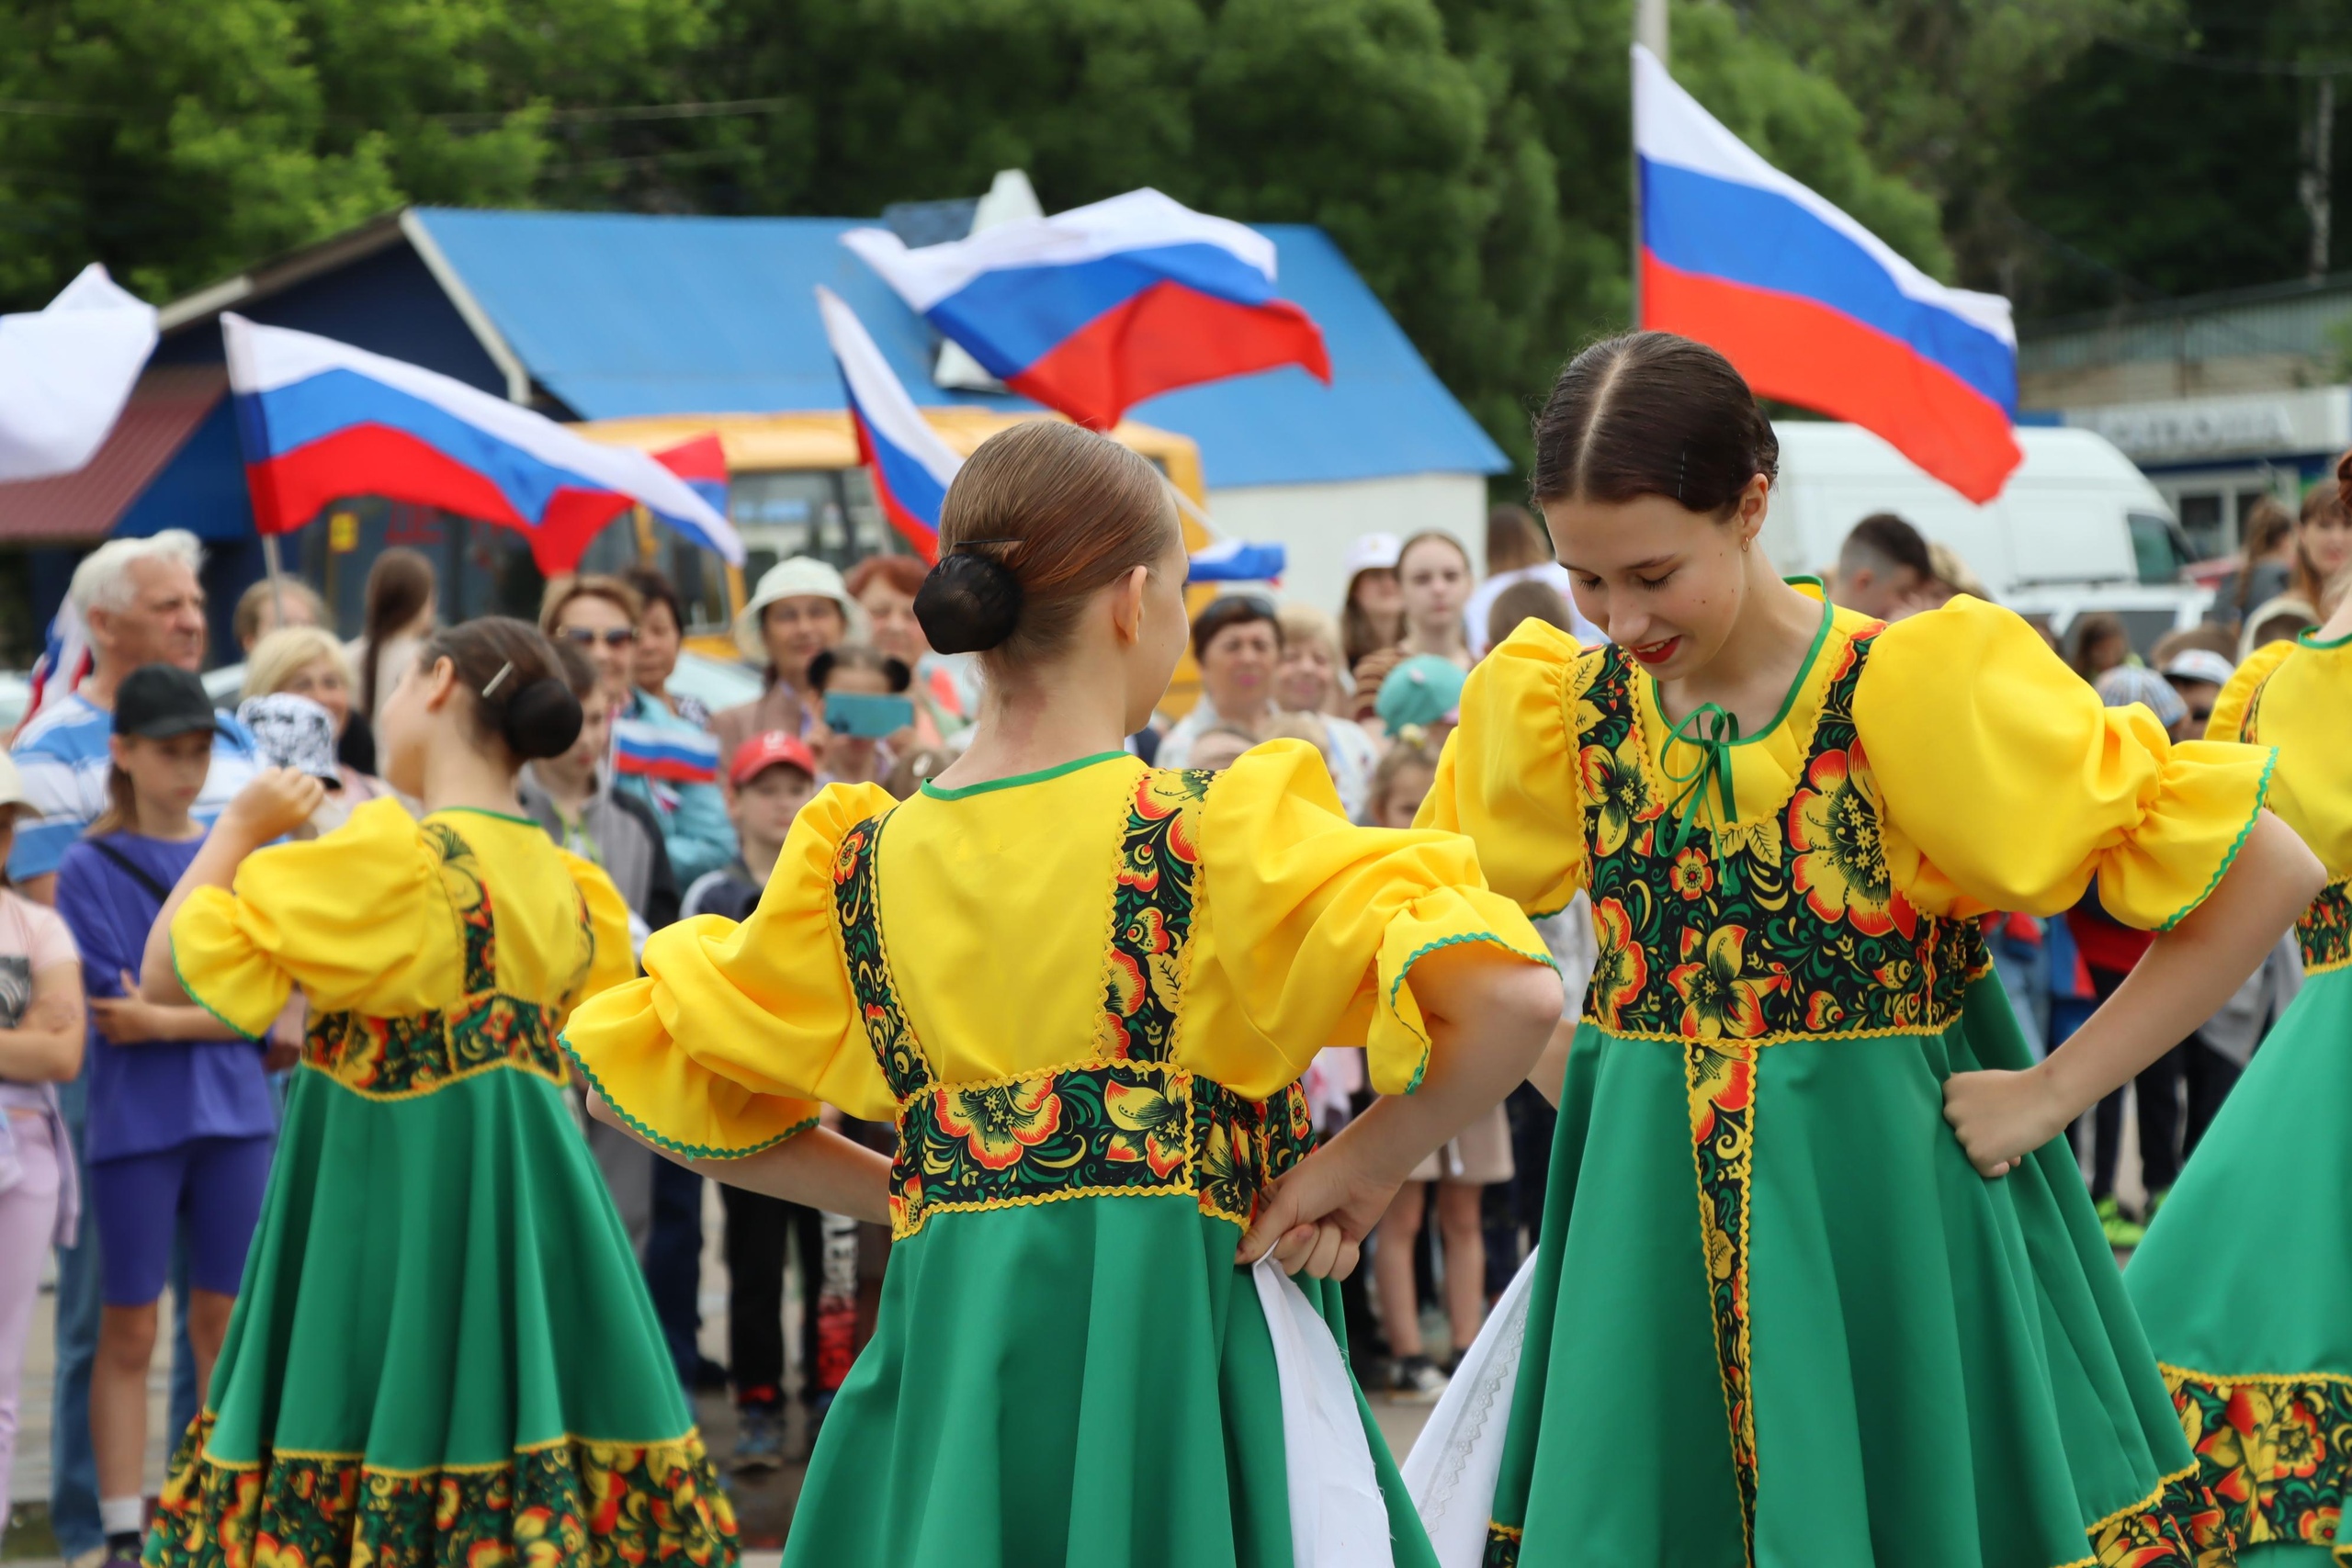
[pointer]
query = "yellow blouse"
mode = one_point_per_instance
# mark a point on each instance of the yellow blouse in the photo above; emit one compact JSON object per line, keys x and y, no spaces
{"x":2297,"y":696}
{"x":369,"y":919}
{"x":996,"y":905}
{"x":2005,"y":783}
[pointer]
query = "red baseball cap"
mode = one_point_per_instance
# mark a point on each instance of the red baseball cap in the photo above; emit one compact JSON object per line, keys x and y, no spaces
{"x":762,"y":753}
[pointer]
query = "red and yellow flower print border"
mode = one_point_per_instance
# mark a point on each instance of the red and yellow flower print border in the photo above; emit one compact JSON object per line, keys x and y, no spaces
{"x":573,"y":1500}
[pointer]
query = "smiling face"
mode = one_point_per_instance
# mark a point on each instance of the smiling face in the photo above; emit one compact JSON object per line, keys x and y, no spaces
{"x":1307,"y":675}
{"x":1663,"y":583}
{"x":602,"y":630}
{"x":891,"y":616}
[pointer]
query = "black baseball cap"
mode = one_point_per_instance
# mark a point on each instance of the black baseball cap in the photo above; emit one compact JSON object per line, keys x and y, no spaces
{"x":156,"y":702}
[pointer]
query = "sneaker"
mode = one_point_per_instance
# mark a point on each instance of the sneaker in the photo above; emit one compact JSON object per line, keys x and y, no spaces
{"x":759,"y":1441}
{"x":1417,"y":1380}
{"x":117,"y":1557}
{"x":2156,"y":1202}
{"x":2121,"y":1232}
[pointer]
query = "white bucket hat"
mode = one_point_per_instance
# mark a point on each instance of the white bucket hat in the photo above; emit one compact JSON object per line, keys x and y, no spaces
{"x":801,"y":577}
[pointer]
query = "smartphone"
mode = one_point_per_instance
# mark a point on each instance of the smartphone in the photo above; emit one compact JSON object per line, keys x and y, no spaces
{"x":867,"y":715}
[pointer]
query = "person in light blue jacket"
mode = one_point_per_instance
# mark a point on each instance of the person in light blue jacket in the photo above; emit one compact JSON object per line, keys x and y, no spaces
{"x":611,"y":620}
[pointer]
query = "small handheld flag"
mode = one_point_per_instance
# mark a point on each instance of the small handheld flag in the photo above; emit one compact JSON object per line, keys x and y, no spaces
{"x":910,"y":465}
{"x":1231,"y":560}
{"x":1092,"y":310}
{"x":673,"y":756}
{"x":1811,"y":307}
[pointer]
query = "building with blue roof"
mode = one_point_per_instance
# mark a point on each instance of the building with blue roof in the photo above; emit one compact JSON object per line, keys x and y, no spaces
{"x":607,"y":316}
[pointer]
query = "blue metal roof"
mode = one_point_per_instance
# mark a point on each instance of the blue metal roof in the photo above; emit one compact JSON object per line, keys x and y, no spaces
{"x":620,"y":314}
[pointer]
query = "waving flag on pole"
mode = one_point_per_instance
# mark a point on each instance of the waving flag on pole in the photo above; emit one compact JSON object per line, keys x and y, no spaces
{"x":65,"y":372}
{"x":910,"y":465}
{"x":1092,"y":310}
{"x":1810,"y":305}
{"x":320,"y":420}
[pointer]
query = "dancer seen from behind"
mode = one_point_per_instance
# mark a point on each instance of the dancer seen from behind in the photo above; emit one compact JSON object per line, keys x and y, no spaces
{"x":1069,"y":1364}
{"x":1819,"y":1283}
{"x":2246,"y":1313}
{"x":442,"y":1350}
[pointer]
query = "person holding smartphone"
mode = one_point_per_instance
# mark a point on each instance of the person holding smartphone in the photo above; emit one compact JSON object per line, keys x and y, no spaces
{"x":861,"y":698}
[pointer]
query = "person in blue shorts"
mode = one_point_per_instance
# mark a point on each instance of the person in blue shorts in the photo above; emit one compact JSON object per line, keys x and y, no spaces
{"x":180,"y":1119}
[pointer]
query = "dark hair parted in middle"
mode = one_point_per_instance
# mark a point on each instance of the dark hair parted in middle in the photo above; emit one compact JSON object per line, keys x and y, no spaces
{"x":1652,"y":413}
{"x":1039,"y":518}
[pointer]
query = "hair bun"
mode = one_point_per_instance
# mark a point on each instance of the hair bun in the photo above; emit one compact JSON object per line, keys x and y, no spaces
{"x":541,"y":720}
{"x":968,"y":603}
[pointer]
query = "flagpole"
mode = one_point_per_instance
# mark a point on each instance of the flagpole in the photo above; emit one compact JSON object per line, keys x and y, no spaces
{"x":1650,"y":31}
{"x":277,"y":577}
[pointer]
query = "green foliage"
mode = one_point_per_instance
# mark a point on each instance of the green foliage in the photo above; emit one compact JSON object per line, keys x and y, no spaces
{"x":1470,"y":156}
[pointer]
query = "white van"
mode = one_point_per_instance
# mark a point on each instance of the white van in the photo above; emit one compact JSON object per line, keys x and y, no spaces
{"x":2077,"y":529}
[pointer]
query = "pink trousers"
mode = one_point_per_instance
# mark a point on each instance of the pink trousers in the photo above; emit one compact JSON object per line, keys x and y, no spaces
{"x":28,"y":1225}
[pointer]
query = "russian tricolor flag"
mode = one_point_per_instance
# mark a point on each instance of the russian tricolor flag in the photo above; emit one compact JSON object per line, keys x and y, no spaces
{"x":910,"y":465}
{"x":673,"y":756}
{"x":320,"y":420}
{"x":1092,"y":310}
{"x":1811,"y":307}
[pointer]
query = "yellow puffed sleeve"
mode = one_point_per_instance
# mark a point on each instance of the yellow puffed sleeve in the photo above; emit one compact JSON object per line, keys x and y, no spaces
{"x":2233,"y":704}
{"x":1313,"y":924}
{"x":1507,"y":775}
{"x":358,"y":918}
{"x":2304,"y":709}
{"x":612,"y":961}
{"x":2007,"y":784}
{"x":734,"y":1032}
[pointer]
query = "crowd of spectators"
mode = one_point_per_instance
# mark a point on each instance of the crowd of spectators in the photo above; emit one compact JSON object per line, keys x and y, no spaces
{"x":135,"y":1139}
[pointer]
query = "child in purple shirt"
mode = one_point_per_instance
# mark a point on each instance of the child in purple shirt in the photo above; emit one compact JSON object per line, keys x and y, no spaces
{"x":180,"y":1118}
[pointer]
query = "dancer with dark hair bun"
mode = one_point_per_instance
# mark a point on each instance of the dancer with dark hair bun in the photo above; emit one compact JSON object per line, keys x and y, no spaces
{"x":442,"y":1351}
{"x":1085,"y":991}
{"x":1824,"y":1289}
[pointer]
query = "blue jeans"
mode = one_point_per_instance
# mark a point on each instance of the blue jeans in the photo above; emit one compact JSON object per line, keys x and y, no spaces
{"x":74,"y":1464}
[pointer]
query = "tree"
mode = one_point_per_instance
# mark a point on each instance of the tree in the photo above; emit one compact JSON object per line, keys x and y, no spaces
{"x":180,"y":142}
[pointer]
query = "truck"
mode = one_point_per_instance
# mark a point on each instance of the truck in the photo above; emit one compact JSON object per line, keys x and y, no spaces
{"x":2077,"y":529}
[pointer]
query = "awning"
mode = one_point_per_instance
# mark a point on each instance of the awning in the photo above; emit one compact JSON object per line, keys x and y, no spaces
{"x":165,"y":408}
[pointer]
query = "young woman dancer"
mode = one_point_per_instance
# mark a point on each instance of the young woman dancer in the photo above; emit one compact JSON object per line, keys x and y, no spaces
{"x":442,"y":1346}
{"x":1780,"y":1314}
{"x":1085,"y":991}
{"x":2248,"y":1319}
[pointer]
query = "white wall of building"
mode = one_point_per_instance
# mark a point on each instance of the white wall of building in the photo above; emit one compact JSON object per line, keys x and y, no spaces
{"x":1318,"y":523}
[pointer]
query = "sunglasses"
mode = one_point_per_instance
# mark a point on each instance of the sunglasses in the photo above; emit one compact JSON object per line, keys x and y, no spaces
{"x":611,"y":637}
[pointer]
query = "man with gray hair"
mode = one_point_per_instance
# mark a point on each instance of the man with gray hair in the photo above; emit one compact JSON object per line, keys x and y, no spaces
{"x":143,"y":605}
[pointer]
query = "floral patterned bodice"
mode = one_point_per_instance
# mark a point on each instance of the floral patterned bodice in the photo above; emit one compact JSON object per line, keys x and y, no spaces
{"x":2323,"y":931}
{"x":1121,"y":1118}
{"x":1780,"y":927}
{"x":400,"y":1058}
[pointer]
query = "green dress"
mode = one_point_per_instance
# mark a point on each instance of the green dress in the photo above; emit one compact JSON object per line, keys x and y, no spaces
{"x":1776,"y":1317}
{"x":1084,"y":998}
{"x":442,"y":1351}
{"x":2244,"y":1281}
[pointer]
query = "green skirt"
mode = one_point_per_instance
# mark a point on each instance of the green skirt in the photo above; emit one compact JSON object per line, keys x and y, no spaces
{"x":1778,"y":1319}
{"x":442,"y":1352}
{"x":1079,"y":1385}
{"x":2252,"y":1325}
